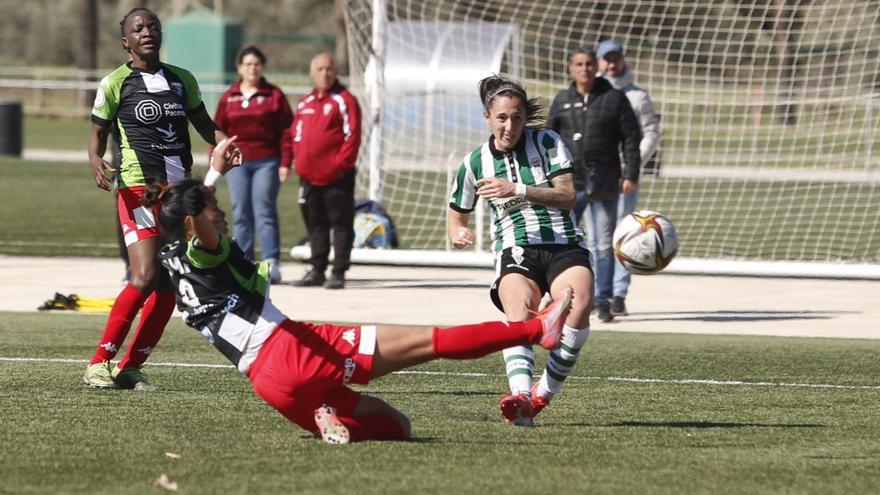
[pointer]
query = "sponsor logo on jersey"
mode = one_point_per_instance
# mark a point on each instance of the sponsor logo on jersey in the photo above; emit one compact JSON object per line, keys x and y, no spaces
{"x":173,"y":109}
{"x":348,"y":336}
{"x":350,"y":366}
{"x":231,"y":302}
{"x":168,"y":135}
{"x":504,"y":206}
{"x":100,"y":98}
{"x":148,"y":112}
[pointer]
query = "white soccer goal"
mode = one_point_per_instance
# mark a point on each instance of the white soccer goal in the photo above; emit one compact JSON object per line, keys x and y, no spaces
{"x":770,"y":110}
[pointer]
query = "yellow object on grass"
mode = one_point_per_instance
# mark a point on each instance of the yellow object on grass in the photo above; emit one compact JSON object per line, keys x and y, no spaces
{"x":82,"y":304}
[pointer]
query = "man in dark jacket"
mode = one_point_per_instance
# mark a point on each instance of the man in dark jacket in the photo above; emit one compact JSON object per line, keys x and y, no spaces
{"x":595,"y":120}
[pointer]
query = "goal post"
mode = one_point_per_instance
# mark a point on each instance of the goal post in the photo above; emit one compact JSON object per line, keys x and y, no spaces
{"x":769,"y":115}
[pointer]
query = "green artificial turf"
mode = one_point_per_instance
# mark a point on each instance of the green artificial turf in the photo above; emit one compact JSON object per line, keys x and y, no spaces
{"x":642,"y":413}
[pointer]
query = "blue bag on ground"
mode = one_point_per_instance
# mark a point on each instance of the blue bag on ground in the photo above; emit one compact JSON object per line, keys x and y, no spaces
{"x":373,"y":227}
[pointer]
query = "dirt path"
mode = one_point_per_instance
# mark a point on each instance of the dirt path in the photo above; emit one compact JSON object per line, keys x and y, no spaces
{"x":427,"y":296}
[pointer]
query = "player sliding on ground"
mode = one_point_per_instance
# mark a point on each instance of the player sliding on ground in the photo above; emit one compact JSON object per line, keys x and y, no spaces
{"x":302,"y":369}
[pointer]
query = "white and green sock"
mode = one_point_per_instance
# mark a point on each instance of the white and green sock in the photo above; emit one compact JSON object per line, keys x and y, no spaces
{"x":520,"y":364}
{"x":562,"y":360}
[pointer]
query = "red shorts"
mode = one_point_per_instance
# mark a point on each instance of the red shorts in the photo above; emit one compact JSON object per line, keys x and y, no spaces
{"x":303,"y":366}
{"x":138,"y":222}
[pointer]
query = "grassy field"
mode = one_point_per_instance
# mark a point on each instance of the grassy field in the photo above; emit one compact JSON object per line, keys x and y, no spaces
{"x":779,"y":416}
{"x":54,"y":209}
{"x":723,"y":217}
{"x":72,"y":134}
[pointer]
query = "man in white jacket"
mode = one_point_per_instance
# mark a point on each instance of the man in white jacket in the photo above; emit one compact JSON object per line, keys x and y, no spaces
{"x":612,"y":66}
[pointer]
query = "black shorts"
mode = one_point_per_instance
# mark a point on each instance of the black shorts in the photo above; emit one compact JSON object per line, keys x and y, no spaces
{"x":540,"y":264}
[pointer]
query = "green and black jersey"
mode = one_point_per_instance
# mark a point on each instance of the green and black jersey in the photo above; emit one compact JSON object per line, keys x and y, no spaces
{"x":537,"y":157}
{"x":222,"y":294}
{"x":151,"y":111}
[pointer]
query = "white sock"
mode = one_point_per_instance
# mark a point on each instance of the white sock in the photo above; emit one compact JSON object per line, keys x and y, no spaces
{"x":520,"y":364}
{"x":562,"y":360}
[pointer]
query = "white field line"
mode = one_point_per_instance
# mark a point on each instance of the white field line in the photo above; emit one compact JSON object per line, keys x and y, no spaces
{"x":692,"y":381}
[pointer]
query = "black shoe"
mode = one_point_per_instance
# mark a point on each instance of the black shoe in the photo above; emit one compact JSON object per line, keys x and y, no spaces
{"x":603,"y":311}
{"x":618,"y":306}
{"x":312,"y":278}
{"x":335,"y":282}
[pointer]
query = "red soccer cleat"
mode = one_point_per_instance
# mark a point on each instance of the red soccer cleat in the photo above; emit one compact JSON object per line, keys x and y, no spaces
{"x":516,"y":409}
{"x":553,"y":319}
{"x":539,"y":402}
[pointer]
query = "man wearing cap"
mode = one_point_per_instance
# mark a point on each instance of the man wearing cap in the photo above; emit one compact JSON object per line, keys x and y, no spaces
{"x":595,"y":122}
{"x":612,"y":66}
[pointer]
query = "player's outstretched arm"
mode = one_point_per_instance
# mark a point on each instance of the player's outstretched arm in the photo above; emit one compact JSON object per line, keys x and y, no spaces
{"x":224,"y":158}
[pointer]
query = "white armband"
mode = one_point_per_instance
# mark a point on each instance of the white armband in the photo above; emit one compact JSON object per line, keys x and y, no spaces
{"x":520,"y":190}
{"x":212,"y":176}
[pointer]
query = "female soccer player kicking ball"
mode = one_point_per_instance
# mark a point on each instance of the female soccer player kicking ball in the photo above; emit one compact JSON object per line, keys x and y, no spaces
{"x":302,"y":369}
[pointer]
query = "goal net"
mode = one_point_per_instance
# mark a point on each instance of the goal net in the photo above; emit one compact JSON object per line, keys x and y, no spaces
{"x":770,"y":110}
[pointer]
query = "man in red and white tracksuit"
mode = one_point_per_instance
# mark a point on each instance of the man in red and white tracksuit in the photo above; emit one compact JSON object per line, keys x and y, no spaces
{"x":325,"y":138}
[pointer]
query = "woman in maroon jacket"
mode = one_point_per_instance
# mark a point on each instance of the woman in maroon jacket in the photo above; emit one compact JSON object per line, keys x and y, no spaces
{"x":259,"y":114}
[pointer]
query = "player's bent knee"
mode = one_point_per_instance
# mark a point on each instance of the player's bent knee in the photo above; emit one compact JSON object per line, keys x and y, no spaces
{"x":144,"y":282}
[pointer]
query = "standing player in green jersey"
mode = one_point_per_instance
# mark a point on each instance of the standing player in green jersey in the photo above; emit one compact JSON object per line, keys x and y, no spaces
{"x":149,"y":105}
{"x":525,"y":175}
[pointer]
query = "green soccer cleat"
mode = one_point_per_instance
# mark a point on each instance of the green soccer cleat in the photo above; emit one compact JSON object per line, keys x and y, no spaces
{"x":132,"y":378}
{"x":98,"y":375}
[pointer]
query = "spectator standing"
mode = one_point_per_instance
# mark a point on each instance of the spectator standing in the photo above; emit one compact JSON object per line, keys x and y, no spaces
{"x":259,"y":114}
{"x":151,"y":105}
{"x":595,"y":120}
{"x":612,"y":66}
{"x":325,"y":138}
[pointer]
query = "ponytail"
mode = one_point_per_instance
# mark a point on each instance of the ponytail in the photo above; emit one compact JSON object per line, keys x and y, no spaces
{"x":495,"y":85}
{"x":174,"y":201}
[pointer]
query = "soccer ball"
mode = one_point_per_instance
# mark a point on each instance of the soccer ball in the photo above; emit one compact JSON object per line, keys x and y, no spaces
{"x":645,"y":242}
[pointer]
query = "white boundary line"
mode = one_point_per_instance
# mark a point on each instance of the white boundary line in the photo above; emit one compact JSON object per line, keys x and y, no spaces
{"x":692,"y":381}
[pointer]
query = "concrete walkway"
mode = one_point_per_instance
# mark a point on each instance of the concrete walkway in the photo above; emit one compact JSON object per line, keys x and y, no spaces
{"x":428,"y":296}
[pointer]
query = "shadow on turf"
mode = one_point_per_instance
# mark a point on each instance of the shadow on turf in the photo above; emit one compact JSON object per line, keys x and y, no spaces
{"x":458,"y":393}
{"x":712,"y":424}
{"x":734,"y":316}
{"x":402,"y":283}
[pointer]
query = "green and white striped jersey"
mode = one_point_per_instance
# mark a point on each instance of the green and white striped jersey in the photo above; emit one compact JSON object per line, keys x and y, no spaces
{"x":534,"y":161}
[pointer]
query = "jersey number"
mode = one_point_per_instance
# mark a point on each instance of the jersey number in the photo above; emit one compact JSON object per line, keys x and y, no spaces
{"x":188,"y":294}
